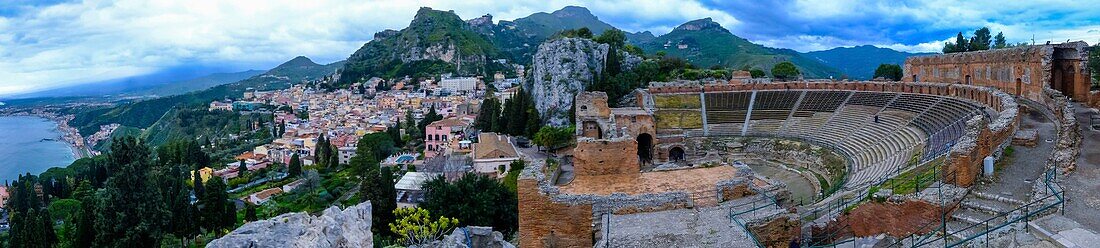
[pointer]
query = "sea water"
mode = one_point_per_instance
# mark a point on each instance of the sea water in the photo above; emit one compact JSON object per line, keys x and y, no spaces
{"x":30,"y":145}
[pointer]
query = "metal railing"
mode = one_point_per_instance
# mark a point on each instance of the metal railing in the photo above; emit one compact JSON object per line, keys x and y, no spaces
{"x":831,"y":239}
{"x":762,"y":202}
{"x":1022,"y":213}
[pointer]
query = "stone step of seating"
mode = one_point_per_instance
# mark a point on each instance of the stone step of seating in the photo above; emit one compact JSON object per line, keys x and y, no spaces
{"x":961,"y":230}
{"x":997,"y":197}
{"x":988,"y":206}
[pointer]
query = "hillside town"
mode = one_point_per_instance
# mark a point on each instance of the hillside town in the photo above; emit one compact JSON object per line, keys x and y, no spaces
{"x":305,"y":114}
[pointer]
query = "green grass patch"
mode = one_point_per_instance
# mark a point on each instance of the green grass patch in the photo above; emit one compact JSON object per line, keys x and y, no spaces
{"x":683,"y":101}
{"x":916,"y":179}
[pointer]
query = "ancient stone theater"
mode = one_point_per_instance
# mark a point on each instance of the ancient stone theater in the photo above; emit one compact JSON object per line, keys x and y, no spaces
{"x":746,"y":163}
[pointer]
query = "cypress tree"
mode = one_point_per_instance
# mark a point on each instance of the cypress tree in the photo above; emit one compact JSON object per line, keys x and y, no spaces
{"x":294,"y":169}
{"x":241,"y":169}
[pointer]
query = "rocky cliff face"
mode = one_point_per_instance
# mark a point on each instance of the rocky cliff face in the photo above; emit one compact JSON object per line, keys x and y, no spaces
{"x":334,"y":228}
{"x":564,"y":67}
{"x":435,"y":42}
{"x":561,"y":69}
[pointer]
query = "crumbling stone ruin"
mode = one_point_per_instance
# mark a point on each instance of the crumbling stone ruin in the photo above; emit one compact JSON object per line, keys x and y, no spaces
{"x":1022,"y":71}
{"x":953,"y":112}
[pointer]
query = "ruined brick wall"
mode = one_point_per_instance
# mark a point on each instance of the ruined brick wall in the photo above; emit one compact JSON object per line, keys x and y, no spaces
{"x":635,"y":125}
{"x":592,"y":115}
{"x":550,"y":218}
{"x":602,"y":157}
{"x":1022,"y":71}
{"x":999,"y":68}
{"x":547,"y":223}
{"x":592,"y":104}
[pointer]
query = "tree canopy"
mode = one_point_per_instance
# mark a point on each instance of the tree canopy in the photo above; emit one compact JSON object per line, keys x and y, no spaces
{"x":785,"y":71}
{"x":475,"y":200}
{"x":890,"y":72}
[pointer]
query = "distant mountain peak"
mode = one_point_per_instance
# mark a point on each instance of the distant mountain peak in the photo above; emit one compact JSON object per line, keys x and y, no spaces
{"x":298,"y":62}
{"x":573,"y":11}
{"x":485,"y":20}
{"x":701,"y":24}
{"x":426,"y":15}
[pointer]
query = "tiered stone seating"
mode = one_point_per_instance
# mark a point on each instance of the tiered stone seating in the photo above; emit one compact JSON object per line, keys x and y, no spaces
{"x":727,"y":108}
{"x":908,"y":124}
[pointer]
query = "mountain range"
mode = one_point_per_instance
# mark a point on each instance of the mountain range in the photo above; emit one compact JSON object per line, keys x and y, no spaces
{"x":438,"y":42}
{"x":859,"y":62}
{"x":143,"y":113}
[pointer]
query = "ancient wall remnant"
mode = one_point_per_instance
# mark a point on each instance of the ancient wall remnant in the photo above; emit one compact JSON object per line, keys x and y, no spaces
{"x":994,"y":134}
{"x":603,"y":157}
{"x":1021,"y":71}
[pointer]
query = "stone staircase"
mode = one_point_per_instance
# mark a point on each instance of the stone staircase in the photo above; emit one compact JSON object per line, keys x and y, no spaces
{"x":978,"y":212}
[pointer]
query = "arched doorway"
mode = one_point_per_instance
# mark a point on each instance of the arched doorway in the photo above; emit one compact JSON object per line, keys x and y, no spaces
{"x":645,"y":148}
{"x":676,"y":154}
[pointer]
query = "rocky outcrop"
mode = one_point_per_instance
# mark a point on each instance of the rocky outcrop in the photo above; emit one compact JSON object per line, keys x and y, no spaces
{"x":472,"y":236}
{"x":334,"y":228}
{"x":564,"y":67}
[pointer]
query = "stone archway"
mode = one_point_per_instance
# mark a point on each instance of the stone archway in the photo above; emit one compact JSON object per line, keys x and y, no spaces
{"x":676,"y":154}
{"x":645,"y":148}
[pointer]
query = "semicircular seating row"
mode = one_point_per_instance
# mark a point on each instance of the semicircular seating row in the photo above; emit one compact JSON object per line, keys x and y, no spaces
{"x":910,"y":128}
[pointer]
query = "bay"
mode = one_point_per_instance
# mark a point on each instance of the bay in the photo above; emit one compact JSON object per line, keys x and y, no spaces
{"x":30,"y":144}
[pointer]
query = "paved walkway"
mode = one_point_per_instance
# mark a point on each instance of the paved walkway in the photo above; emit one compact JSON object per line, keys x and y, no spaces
{"x":1014,"y":180}
{"x":1065,"y":232}
{"x":1081,"y":186}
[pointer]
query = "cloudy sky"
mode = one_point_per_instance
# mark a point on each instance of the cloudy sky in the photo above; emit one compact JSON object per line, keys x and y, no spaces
{"x":51,"y":43}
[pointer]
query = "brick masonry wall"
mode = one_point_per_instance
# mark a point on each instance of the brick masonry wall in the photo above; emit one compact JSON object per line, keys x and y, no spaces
{"x":1024,"y":71}
{"x":602,"y":157}
{"x":546,"y":223}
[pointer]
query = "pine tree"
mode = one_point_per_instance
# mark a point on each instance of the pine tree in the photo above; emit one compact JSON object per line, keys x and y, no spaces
{"x":376,"y":188}
{"x":84,"y":221}
{"x":333,"y":156}
{"x":216,"y":209}
{"x":130,"y":211}
{"x":318,"y":149}
{"x":961,"y":44}
{"x":430,"y":117}
{"x":999,"y":41}
{"x":981,"y":40}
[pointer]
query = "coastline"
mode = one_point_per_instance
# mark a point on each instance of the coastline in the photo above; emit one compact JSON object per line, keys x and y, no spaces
{"x":71,"y":136}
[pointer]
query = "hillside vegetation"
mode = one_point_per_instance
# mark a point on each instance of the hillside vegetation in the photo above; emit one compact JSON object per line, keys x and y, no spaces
{"x":142,"y":114}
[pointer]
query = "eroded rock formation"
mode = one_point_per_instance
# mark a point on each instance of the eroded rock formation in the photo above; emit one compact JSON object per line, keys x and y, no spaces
{"x":564,"y":67}
{"x":334,"y":228}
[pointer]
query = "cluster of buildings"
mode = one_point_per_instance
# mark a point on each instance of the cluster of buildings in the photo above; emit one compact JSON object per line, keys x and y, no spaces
{"x":343,"y":116}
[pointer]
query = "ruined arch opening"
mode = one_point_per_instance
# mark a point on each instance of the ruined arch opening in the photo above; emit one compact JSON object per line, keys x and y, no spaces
{"x":645,"y":148}
{"x":591,"y":129}
{"x":1063,"y":72}
{"x":676,"y":154}
{"x":1019,"y":86}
